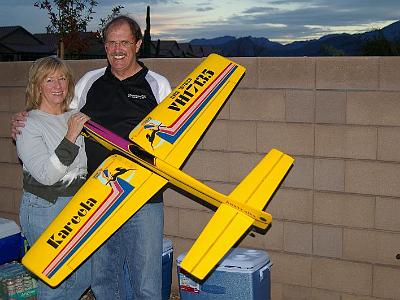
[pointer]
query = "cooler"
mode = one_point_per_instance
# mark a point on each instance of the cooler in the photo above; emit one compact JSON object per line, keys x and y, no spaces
{"x":167,"y":258}
{"x":242,"y":274}
{"x":11,"y":242}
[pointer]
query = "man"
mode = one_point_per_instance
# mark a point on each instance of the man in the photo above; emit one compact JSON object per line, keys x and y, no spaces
{"x":119,"y":97}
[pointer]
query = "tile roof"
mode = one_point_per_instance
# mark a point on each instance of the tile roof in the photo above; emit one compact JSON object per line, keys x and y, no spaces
{"x":7,"y":30}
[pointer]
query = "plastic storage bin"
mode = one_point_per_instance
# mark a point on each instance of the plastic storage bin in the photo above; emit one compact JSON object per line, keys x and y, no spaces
{"x":242,"y":274}
{"x":16,"y":283}
{"x":11,"y":241}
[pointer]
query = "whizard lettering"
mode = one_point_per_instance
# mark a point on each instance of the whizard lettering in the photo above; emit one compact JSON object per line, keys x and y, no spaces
{"x":190,"y":90}
{"x":56,"y":239}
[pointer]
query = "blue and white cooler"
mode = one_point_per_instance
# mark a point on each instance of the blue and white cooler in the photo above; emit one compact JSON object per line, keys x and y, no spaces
{"x":11,"y":241}
{"x":242,"y":274}
{"x":167,"y":258}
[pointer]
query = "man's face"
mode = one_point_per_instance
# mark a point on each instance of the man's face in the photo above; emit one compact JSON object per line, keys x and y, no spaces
{"x":121,"y":48}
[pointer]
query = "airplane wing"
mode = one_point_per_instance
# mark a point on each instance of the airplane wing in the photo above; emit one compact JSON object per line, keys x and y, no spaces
{"x":173,"y":128}
{"x":112,"y":194}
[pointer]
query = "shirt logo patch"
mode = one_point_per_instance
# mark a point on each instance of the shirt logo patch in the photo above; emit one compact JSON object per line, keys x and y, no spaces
{"x":132,"y":96}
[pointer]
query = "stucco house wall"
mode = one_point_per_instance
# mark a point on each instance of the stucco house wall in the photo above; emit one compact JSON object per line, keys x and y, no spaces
{"x":336,"y":228}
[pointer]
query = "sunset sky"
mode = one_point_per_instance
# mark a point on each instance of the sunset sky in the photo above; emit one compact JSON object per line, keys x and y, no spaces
{"x":278,"y":20}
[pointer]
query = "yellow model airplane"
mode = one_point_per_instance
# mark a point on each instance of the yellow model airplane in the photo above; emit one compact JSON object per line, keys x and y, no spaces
{"x":159,"y":145}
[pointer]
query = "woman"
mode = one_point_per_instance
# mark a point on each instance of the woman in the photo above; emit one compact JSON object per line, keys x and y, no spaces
{"x":54,"y":160}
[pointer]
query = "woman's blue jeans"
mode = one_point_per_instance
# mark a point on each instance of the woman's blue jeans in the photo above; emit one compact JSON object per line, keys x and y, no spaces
{"x":35,"y":215}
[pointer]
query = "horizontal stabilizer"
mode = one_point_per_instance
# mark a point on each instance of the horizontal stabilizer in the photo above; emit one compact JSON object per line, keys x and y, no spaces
{"x":221,"y":233}
{"x":260,"y":184}
{"x":231,"y":221}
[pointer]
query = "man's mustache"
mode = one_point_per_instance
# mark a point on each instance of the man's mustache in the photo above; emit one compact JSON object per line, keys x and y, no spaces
{"x":118,"y":53}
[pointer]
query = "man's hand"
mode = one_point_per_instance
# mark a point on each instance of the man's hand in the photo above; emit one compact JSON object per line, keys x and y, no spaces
{"x":17,"y":121}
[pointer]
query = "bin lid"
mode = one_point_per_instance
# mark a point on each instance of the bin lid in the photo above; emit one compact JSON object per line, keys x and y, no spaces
{"x":8,"y":228}
{"x":240,"y":258}
{"x":167,"y":245}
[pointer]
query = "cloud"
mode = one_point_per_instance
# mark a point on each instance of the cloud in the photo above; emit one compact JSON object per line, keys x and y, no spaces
{"x":322,"y":12}
{"x":290,"y":20}
{"x":295,"y":17}
{"x":310,"y":19}
{"x":205,"y":8}
{"x":260,"y":9}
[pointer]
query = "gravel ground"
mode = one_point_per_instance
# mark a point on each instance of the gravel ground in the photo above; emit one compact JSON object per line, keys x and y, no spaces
{"x":174,"y":296}
{"x":89,"y":296}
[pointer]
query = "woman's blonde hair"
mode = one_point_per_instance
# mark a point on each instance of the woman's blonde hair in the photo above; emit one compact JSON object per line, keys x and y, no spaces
{"x":38,"y":72}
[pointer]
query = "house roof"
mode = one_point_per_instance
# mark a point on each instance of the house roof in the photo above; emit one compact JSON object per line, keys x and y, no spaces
{"x":166,"y":49}
{"x":17,"y":39}
{"x":95,"y":45}
{"x":6,"y":30}
{"x":45,"y":49}
{"x":47,"y":38}
{"x":175,"y":49}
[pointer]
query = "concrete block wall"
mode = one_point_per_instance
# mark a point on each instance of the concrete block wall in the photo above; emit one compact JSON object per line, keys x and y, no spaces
{"x":336,"y":228}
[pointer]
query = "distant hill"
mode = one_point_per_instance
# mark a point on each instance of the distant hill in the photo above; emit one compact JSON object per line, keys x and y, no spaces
{"x":214,"y":42}
{"x":333,"y":44}
{"x":391,"y":32}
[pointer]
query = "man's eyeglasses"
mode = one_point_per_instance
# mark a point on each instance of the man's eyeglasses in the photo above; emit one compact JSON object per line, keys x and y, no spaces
{"x":124,"y":44}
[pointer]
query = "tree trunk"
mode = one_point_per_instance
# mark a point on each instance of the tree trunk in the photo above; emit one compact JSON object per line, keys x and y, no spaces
{"x":61,"y":49}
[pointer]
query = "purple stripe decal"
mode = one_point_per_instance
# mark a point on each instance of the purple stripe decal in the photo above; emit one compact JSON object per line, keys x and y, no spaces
{"x":107,"y":135}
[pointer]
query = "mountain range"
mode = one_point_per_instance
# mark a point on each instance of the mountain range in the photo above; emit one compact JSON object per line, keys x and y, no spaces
{"x":339,"y":44}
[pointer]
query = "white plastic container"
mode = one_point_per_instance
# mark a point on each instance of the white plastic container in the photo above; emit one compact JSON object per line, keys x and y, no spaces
{"x":242,"y":274}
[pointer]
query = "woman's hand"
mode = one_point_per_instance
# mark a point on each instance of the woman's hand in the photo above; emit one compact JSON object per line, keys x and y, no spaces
{"x":75,"y":125}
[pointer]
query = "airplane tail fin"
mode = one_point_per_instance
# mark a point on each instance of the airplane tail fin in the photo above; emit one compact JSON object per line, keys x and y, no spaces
{"x":233,"y":218}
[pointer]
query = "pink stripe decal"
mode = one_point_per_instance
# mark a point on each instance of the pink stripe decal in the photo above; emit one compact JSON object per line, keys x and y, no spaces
{"x":111,"y":198}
